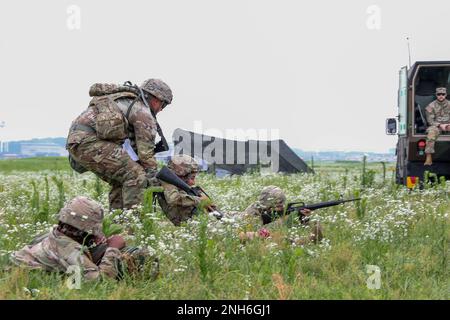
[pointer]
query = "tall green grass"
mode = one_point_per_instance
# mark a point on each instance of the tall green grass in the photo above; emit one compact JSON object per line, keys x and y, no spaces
{"x":405,"y":233}
{"x":35,"y":164}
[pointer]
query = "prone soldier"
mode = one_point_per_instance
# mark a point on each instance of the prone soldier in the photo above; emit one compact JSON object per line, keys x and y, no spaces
{"x":78,"y":240}
{"x":272,"y":203}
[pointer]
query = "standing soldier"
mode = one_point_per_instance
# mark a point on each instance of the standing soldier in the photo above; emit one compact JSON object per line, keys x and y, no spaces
{"x":78,"y":241}
{"x":269,"y":209}
{"x":438,"y":118}
{"x":117,"y":113}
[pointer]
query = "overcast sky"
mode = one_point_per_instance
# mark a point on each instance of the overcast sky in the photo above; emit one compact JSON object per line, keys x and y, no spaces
{"x":324,"y":73}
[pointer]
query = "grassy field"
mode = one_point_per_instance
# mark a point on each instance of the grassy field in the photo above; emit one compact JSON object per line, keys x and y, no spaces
{"x":35,"y":164}
{"x":403,"y":234}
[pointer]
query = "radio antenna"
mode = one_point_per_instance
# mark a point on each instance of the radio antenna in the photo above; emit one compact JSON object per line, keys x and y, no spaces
{"x":409,"y":51}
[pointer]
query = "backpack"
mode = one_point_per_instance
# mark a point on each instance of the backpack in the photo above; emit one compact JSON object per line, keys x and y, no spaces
{"x":110,"y":124}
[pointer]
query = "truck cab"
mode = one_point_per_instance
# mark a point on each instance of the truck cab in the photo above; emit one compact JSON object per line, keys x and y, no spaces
{"x":417,"y":87}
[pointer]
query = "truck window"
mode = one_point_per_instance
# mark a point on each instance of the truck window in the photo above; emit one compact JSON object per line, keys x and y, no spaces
{"x":427,"y":80}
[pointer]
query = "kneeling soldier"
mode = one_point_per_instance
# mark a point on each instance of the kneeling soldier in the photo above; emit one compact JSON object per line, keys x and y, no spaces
{"x":177,"y":204}
{"x":96,"y":136}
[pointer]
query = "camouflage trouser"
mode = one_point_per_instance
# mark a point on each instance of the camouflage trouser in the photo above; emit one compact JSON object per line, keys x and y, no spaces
{"x":113,"y":165}
{"x":432,"y":134}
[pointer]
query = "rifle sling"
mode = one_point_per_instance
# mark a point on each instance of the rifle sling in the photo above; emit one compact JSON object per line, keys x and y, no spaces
{"x":158,"y":127}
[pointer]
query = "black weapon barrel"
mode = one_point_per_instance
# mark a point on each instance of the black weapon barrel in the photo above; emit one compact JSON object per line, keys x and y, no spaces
{"x":166,"y":175}
{"x":328,"y":204}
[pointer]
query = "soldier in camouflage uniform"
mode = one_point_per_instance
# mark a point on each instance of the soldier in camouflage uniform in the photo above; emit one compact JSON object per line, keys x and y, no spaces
{"x":438,"y":118}
{"x":117,"y":113}
{"x":75,"y":242}
{"x":176,"y":203}
{"x":272,"y":202}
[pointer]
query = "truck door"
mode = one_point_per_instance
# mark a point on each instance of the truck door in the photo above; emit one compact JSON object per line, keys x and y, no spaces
{"x":402,"y":101}
{"x":402,"y":125}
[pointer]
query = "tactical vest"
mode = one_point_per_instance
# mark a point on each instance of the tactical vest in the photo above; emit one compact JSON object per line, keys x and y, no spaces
{"x":110,"y":124}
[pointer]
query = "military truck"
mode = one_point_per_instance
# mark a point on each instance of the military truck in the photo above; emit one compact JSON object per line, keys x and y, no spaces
{"x":417,"y":86}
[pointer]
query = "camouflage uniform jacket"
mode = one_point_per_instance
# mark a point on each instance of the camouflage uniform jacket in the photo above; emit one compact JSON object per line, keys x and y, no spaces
{"x":438,"y":113}
{"x":142,"y":128}
{"x":253,"y":210}
{"x":254,"y":213}
{"x":56,"y":252}
{"x":177,"y":204}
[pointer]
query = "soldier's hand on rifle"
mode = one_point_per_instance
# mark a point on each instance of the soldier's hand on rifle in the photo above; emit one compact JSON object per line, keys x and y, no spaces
{"x":116,"y":241}
{"x":100,"y":240}
{"x":306,"y":212}
{"x":212,"y":207}
{"x":209,"y":207}
{"x":204,"y":197}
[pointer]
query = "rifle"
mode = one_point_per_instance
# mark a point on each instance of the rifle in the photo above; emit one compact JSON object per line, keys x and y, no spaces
{"x":166,"y":175}
{"x":162,"y":145}
{"x":300,"y":205}
{"x":97,"y":252}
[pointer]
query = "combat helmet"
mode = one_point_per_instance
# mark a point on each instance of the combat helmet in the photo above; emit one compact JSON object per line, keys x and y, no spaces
{"x":441,"y":90}
{"x":84,"y":214}
{"x":159,"y":89}
{"x":183,"y":165}
{"x":271,"y":197}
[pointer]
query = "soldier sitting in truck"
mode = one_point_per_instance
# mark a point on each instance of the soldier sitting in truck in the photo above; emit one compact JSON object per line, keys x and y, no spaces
{"x":438,"y":118}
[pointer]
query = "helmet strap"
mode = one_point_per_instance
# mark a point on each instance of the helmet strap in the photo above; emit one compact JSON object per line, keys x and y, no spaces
{"x":76,"y":234}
